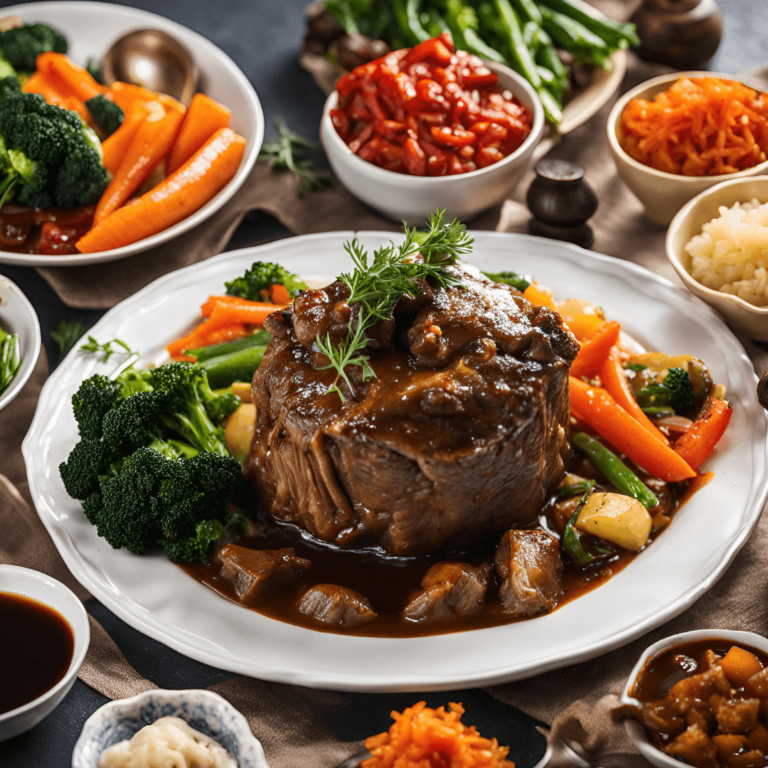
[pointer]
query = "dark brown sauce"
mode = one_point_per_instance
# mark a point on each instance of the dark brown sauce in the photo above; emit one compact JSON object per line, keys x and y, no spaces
{"x":661,"y":672}
{"x":36,"y":647}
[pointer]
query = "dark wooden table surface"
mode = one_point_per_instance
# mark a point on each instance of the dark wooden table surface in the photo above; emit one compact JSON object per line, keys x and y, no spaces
{"x":263,"y":37}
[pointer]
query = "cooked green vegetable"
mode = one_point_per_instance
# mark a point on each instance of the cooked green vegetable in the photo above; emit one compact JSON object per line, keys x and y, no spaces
{"x":66,"y":334}
{"x":22,"y":45}
{"x":674,"y":392}
{"x":615,"y":470}
{"x":571,"y":541}
{"x":94,"y":70}
{"x":255,"y":284}
{"x":233,"y":360}
{"x":105,"y":349}
{"x":48,"y":155}
{"x":521,"y":282}
{"x":105,"y":113}
{"x":151,"y":467}
{"x":10,"y":358}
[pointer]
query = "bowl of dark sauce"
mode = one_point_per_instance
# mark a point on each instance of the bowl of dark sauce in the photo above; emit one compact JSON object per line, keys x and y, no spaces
{"x":44,"y":635}
{"x":692,"y":699}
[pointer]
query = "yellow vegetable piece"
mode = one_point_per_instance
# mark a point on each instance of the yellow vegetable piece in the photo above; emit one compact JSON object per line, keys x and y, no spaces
{"x":617,"y":518}
{"x":582,"y":317}
{"x":242,"y":389}
{"x":239,"y":429}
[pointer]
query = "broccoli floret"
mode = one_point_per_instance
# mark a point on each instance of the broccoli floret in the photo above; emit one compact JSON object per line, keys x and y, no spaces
{"x":151,"y":467}
{"x":49,"y":155}
{"x":521,"y":282}
{"x":255,"y":284}
{"x":105,"y":113}
{"x":189,"y":400}
{"x":22,"y":45}
{"x":675,"y":392}
{"x":7,"y":71}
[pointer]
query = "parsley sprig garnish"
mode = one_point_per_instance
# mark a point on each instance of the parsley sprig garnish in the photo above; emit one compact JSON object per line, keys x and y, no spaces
{"x":106,"y":350}
{"x":288,"y":150}
{"x":392,"y":273}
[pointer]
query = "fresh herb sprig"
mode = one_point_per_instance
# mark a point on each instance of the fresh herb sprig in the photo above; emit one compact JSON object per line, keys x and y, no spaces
{"x":377,"y":286}
{"x":106,"y":350}
{"x":66,"y":334}
{"x":287,"y":149}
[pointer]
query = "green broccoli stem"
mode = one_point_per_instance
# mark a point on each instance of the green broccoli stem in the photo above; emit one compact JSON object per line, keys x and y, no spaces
{"x":197,"y":428}
{"x":7,"y":186}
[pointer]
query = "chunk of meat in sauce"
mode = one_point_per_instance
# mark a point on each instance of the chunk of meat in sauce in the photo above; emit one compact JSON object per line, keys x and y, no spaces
{"x":259,"y":574}
{"x":685,"y":693}
{"x":338,"y":606}
{"x":736,"y":715}
{"x":529,"y":566}
{"x":694,"y":747}
{"x":450,"y":590}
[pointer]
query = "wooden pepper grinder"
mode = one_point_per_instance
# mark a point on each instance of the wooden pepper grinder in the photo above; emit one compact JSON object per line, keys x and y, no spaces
{"x":561,"y":202}
{"x":684,"y":34}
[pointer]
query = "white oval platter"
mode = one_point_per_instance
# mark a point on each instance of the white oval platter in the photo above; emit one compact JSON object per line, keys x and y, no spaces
{"x":90,"y":28}
{"x":159,"y":599}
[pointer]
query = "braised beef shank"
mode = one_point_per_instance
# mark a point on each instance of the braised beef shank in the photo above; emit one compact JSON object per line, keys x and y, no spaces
{"x":460,"y":435}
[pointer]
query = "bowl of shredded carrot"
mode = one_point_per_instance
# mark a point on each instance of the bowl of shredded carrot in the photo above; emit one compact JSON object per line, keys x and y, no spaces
{"x":422,"y":737}
{"x":676,"y":135}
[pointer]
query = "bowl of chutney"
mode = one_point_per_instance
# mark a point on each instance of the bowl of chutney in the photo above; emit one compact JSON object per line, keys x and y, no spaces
{"x":43,"y":642}
{"x":700,"y":698}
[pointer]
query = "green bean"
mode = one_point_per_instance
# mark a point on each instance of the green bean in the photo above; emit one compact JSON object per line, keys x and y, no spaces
{"x":520,"y":55}
{"x":548,"y":77}
{"x":436,"y":24}
{"x":10,"y":360}
{"x":547,"y":57}
{"x":527,"y":10}
{"x":573,"y":36}
{"x":615,"y":470}
{"x":616,"y":34}
{"x":531,"y":36}
{"x":257,"y":339}
{"x":475,"y":44}
{"x":575,"y":489}
{"x":571,"y":543}
{"x":236,"y":366}
{"x":407,"y":16}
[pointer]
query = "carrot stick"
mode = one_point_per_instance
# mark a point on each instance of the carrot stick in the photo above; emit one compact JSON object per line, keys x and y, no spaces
{"x":594,"y":352}
{"x":237,"y":302}
{"x":279,"y":295}
{"x":698,"y":442}
{"x":116,"y":146}
{"x":217,"y":328}
{"x":539,"y":295}
{"x":603,"y":414}
{"x":249,"y":312}
{"x":151,"y":143}
{"x":201,"y":178}
{"x":124,"y":94}
{"x":77,"y":79}
{"x":204,"y":117}
{"x":616,"y":384}
{"x":55,"y":93}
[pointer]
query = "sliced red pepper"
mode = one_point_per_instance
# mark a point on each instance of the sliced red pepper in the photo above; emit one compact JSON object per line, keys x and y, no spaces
{"x":698,"y":442}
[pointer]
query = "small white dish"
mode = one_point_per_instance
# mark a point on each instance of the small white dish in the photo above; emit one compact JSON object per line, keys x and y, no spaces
{"x":742,"y":316}
{"x":634,"y":730}
{"x":17,"y":315}
{"x":205,"y":711}
{"x":403,"y":197}
{"x":664,"y":194}
{"x":38,"y":586}
{"x":90,"y":28}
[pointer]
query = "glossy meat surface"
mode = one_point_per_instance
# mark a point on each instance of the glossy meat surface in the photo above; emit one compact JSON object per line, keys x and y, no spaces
{"x":450,"y":590}
{"x":461,"y":434}
{"x":528,"y":565}
{"x":337,"y":606}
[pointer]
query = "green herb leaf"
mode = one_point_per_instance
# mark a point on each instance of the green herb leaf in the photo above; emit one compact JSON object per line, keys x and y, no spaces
{"x":67,"y":334}
{"x":521,"y":282}
{"x":106,"y":350}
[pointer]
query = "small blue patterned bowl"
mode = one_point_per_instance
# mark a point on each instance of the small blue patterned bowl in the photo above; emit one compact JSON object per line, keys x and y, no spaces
{"x":205,"y":711}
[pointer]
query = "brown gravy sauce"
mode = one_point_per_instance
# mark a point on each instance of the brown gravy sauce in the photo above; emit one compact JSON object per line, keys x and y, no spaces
{"x":36,"y":647}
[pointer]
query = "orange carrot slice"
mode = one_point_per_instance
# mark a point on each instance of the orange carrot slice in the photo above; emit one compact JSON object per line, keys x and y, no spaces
{"x":204,"y":117}
{"x":124,"y":94}
{"x":594,"y":352}
{"x":77,"y":79}
{"x":616,"y":384}
{"x":606,"y":417}
{"x":116,"y":146}
{"x":237,"y":302}
{"x":54,"y":92}
{"x":151,"y":143}
{"x":201,"y":178}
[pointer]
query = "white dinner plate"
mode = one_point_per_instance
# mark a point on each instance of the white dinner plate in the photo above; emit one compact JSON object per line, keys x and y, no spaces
{"x":156,"y":597}
{"x":90,"y":28}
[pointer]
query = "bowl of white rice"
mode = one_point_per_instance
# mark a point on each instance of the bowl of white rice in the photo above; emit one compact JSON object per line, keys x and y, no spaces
{"x":718,"y":245}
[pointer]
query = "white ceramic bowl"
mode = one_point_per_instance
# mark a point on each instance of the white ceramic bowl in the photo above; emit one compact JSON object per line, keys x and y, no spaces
{"x":409,"y":198}
{"x":744,"y":317}
{"x":17,"y":315}
{"x":90,"y":28}
{"x":664,"y":194}
{"x":634,"y":730}
{"x":44,"y":589}
{"x":205,"y":711}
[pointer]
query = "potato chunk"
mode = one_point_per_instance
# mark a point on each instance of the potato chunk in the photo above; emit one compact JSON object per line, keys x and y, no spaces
{"x":695,"y":747}
{"x":617,"y":518}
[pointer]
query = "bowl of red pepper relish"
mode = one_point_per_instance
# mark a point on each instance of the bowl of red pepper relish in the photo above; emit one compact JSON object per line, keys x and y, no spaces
{"x":431,"y":127}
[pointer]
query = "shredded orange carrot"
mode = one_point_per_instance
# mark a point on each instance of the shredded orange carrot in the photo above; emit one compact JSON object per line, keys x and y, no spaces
{"x":702,"y":126}
{"x":422,"y":737}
